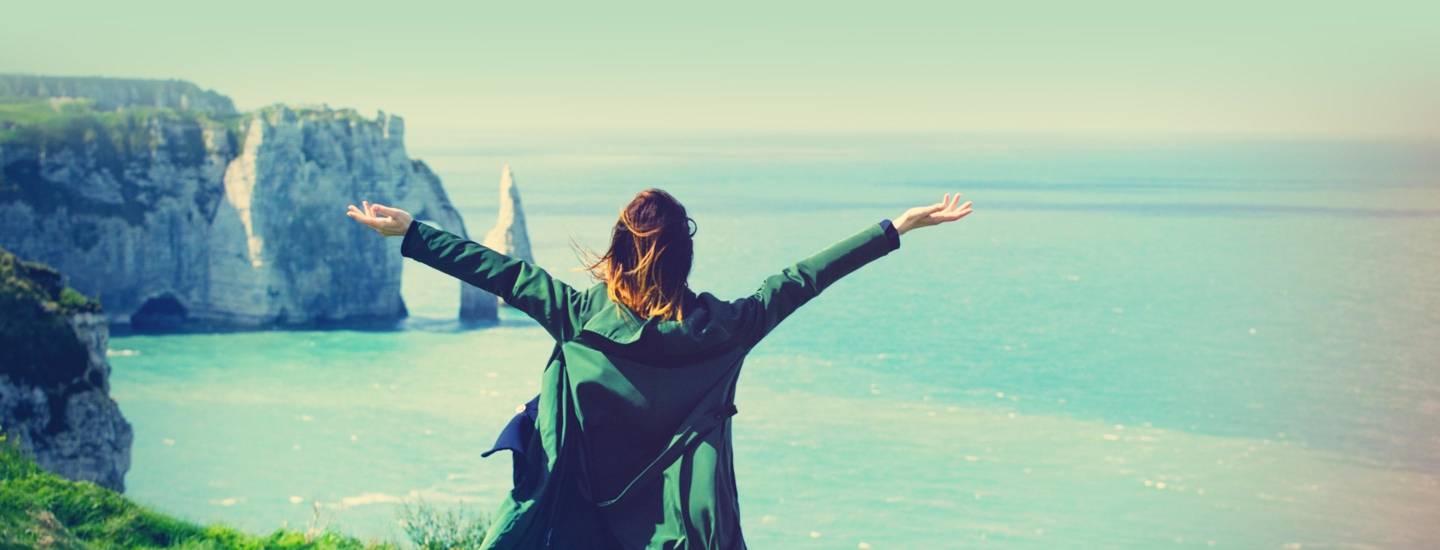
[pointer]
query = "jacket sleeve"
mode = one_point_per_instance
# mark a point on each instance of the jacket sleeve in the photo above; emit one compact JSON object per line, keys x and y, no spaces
{"x":783,"y":293}
{"x":523,"y":285}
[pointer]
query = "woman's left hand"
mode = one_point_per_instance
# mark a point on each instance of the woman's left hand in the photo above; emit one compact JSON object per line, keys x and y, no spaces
{"x":389,"y":222}
{"x":947,"y":210}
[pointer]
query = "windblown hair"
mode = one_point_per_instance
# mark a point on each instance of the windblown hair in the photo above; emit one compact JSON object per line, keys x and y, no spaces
{"x":651,"y":252}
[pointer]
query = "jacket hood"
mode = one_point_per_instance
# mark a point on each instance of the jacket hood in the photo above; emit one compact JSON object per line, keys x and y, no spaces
{"x":708,"y":326}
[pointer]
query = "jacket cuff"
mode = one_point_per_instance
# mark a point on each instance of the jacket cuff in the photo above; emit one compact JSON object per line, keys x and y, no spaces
{"x":891,"y":233}
{"x":412,"y":242}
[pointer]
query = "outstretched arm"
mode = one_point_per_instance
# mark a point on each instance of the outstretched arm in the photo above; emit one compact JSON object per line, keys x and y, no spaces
{"x":784,"y":293}
{"x":523,"y":285}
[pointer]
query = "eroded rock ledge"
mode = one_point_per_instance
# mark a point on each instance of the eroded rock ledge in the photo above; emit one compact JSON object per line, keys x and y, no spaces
{"x":54,"y":378}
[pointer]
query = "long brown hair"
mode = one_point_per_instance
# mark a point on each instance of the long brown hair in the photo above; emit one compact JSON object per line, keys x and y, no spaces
{"x":651,"y":252}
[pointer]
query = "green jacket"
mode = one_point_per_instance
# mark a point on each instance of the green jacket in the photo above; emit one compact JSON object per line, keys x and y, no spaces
{"x":632,"y":434}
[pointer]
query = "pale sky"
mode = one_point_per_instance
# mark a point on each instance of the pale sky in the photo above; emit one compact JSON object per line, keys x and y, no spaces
{"x":459,"y":68}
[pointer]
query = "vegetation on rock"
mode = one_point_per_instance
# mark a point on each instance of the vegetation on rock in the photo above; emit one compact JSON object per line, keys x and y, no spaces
{"x":120,"y":144}
{"x":42,"y":510}
{"x":39,"y":346}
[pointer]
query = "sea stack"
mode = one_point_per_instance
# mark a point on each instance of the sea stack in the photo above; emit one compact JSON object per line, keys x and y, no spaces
{"x":509,"y":235}
{"x":54,"y":378}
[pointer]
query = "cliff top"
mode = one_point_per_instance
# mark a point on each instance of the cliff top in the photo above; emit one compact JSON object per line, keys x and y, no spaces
{"x":37,"y":110}
{"x":114,"y":93}
{"x":40,"y":348}
{"x":37,"y":126}
{"x":39,"y":284}
{"x":393,"y":126}
{"x":38,"y":120}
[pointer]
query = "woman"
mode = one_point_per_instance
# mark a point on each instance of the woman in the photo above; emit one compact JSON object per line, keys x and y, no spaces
{"x":631,"y":445}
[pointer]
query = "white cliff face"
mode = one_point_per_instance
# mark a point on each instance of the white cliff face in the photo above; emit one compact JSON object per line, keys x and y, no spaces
{"x":509,"y":235}
{"x":285,"y":195}
{"x":281,"y":253}
{"x":240,"y":186}
{"x":123,"y":210}
{"x":186,"y":220}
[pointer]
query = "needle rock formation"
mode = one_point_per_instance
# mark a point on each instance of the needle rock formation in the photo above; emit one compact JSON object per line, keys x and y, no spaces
{"x":509,"y":235}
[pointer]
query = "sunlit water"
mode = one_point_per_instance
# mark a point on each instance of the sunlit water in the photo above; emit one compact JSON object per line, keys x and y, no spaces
{"x":1200,"y":344}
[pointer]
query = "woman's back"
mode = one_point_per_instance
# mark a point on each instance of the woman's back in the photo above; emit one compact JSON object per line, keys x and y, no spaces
{"x":652,"y":401}
{"x":631,"y":439}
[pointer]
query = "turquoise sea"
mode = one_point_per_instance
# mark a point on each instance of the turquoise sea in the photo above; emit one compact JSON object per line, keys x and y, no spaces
{"x":1130,"y":343}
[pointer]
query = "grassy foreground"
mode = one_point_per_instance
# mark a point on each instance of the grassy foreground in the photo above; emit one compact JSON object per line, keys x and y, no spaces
{"x":42,"y":510}
{"x":39,"y":509}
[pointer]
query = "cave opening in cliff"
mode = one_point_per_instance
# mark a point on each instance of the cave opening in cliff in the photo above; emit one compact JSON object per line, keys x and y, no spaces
{"x":161,"y":313}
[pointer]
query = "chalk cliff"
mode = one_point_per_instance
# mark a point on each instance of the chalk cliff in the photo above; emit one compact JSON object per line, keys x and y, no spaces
{"x":202,"y":217}
{"x":54,"y":378}
{"x":509,"y":235}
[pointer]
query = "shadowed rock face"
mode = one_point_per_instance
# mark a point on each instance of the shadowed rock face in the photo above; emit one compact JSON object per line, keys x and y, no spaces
{"x":55,"y":380}
{"x":509,"y":235}
{"x":192,"y":219}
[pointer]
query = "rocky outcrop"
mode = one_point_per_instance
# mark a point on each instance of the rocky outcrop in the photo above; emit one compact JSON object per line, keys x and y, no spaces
{"x":114,"y":93}
{"x":187,"y":219}
{"x":280,"y":251}
{"x":54,"y":378}
{"x":509,"y":235}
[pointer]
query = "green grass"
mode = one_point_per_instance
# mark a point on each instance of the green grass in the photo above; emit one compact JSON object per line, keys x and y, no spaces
{"x":120,"y":143}
{"x":41,"y":284}
{"x":42,"y":510}
{"x":47,"y":121}
{"x":432,"y":529}
{"x":19,"y":113}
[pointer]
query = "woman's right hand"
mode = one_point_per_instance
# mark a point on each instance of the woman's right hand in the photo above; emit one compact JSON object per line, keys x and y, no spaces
{"x":948,"y":209}
{"x":389,"y":222}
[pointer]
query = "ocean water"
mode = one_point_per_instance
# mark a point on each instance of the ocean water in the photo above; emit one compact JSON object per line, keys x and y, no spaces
{"x":1128,"y":344}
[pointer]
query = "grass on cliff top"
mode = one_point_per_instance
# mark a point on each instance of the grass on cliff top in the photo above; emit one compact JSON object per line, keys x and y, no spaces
{"x":42,"y":510}
{"x":41,"y":284}
{"x":40,"y":349}
{"x":39,"y":509}
{"x":55,"y":119}
{"x":121,"y":145}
